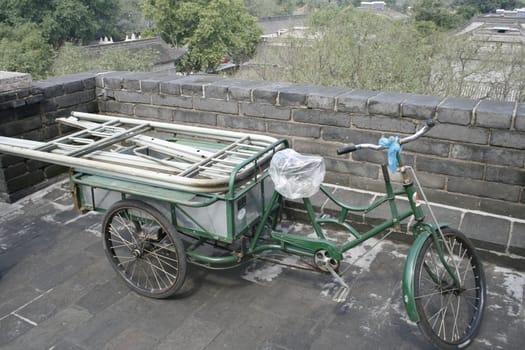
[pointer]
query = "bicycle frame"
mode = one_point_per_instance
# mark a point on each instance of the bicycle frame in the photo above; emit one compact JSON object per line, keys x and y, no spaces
{"x":307,"y":246}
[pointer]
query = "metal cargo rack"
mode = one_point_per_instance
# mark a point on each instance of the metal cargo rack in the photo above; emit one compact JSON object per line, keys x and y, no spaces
{"x":211,"y":183}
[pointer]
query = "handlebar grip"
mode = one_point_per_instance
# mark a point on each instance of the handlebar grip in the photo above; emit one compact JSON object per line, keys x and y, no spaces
{"x":346,"y":149}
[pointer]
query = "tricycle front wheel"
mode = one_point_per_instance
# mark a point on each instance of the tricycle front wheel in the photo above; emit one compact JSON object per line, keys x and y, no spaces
{"x":144,"y":248}
{"x":450,"y":314}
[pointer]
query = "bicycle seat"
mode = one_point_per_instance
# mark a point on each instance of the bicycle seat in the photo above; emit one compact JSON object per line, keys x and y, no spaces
{"x":295,"y":175}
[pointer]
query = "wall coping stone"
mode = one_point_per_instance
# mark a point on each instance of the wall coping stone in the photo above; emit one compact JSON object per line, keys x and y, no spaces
{"x":387,"y":103}
{"x":494,"y":114}
{"x":12,"y":81}
{"x":420,"y":106}
{"x":519,"y":124}
{"x":456,"y":110}
{"x":355,"y":101}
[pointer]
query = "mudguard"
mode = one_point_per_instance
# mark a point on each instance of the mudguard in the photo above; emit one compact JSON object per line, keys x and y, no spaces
{"x":409,"y":271}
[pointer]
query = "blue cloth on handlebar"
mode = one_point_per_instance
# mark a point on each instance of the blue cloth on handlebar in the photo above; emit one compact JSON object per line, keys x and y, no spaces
{"x":392,"y":143}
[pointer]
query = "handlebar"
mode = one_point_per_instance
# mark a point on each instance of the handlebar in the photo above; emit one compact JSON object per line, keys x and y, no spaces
{"x":351,"y":147}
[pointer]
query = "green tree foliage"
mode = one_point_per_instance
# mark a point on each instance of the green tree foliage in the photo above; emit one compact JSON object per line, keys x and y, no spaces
{"x":211,"y":29}
{"x":435,"y":11}
{"x":63,"y":20}
{"x":490,"y":6}
{"x":262,"y":8}
{"x":363,"y":50}
{"x":74,"y":59}
{"x":23,"y":50}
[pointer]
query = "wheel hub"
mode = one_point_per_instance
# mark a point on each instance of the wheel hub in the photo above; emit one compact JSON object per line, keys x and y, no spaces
{"x":323,"y":259}
{"x":136,"y":253}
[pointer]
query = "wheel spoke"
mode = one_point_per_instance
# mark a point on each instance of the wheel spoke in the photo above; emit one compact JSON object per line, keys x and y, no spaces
{"x":449,"y":313}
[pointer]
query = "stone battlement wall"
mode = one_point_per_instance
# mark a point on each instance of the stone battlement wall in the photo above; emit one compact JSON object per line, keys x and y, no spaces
{"x":473,"y":160}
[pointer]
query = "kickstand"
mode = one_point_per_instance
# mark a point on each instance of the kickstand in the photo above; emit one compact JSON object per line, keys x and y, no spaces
{"x":343,"y":290}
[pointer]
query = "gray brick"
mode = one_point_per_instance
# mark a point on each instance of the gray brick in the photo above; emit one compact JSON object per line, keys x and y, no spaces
{"x":110,"y":80}
{"x":54,"y":170}
{"x":150,"y":85}
{"x":315,"y":116}
{"x":21,"y":126}
{"x":216,"y":91}
{"x":131,"y":83}
{"x":235,"y":122}
{"x":355,"y":101}
{"x":519,"y":124}
{"x":325,"y":98}
{"x":116,"y":107}
{"x":456,"y":111}
{"x":431,"y":180}
{"x":426,"y":146}
{"x":387,"y":103}
{"x":365,"y":155}
{"x":195,"y":117}
{"x":237,"y":89}
{"x":450,"y":167}
{"x":8,"y":160}
{"x":345,"y":135}
{"x":133,"y":97}
{"x":384,"y":124}
{"x":420,"y":106}
{"x":306,"y":146}
{"x":352,"y":168}
{"x":171,"y":87}
{"x":486,"y":228}
{"x":89,"y":83}
{"x":449,"y":216}
{"x":100,"y":297}
{"x":194,"y":85}
{"x":294,"y":129}
{"x":75,"y":98}
{"x":24,"y":181}
{"x":483,"y":189}
{"x":152,"y":112}
{"x":491,"y":155}
{"x":73,"y":86}
{"x":12,"y":327}
{"x":506,"y":175}
{"x":172,"y":101}
{"x":49,"y":89}
{"x":296,"y":95}
{"x":212,"y":105}
{"x":517,"y":235}
{"x":8,"y":96}
{"x":460,"y":133}
{"x":13,"y":171}
{"x":268,"y":92}
{"x":508,"y":139}
{"x":499,"y":207}
{"x":492,"y":114}
{"x":264,"y":111}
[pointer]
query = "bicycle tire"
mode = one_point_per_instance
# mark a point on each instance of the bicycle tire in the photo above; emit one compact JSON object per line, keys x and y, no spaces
{"x":450,"y":317}
{"x":144,"y":248}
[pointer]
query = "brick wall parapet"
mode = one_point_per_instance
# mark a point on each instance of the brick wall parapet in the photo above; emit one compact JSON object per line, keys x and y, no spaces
{"x":30,"y":113}
{"x":473,"y":159}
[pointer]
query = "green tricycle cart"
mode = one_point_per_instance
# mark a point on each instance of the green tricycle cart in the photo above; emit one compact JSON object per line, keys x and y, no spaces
{"x":176,"y":194}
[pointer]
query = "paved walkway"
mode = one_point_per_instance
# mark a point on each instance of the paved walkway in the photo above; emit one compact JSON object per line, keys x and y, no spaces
{"x":57,"y":291}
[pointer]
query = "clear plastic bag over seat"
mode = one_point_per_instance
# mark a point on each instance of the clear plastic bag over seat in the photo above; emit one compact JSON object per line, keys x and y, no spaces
{"x":295,"y":175}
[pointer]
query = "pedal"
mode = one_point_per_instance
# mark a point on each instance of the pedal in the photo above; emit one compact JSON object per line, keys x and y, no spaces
{"x":341,"y":294}
{"x":343,"y":291}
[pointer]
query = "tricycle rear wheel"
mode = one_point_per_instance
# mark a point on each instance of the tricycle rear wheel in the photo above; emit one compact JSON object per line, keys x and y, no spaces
{"x":144,"y":248}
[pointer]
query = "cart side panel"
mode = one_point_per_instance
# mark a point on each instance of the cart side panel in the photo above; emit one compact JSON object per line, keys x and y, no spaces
{"x":247,"y":209}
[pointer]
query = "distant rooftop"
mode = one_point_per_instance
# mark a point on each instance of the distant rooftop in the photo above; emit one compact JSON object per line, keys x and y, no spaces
{"x":167,"y":55}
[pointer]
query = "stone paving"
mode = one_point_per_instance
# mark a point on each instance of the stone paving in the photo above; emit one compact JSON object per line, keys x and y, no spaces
{"x":57,"y":291}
